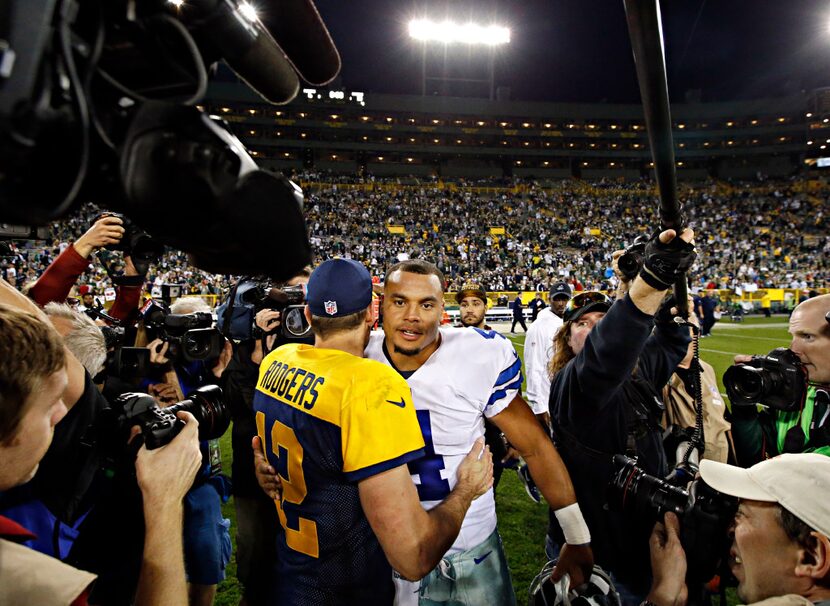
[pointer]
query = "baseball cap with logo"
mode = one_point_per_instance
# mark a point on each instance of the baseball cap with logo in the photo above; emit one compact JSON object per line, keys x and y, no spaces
{"x":586,"y":302}
{"x":339,"y":287}
{"x":471,"y":289}
{"x":799,"y":483}
{"x":560,"y":289}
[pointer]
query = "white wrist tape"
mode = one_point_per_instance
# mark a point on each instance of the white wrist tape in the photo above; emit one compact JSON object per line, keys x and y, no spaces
{"x":573,"y":525}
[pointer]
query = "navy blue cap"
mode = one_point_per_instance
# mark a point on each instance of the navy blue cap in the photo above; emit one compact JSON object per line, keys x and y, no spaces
{"x":339,"y":287}
{"x":560,"y":289}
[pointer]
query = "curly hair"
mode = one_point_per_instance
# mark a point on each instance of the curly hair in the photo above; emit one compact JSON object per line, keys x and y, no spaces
{"x":562,"y":352}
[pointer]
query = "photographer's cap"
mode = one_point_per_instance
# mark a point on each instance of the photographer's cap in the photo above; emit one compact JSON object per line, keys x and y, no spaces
{"x":799,"y":483}
{"x":339,"y":287}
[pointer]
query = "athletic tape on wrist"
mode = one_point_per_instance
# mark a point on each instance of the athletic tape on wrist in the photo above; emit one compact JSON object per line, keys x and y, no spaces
{"x":573,"y":525}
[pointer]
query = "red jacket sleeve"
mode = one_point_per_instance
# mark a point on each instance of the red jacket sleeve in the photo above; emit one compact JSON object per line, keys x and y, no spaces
{"x":126,"y":302}
{"x":57,"y":280}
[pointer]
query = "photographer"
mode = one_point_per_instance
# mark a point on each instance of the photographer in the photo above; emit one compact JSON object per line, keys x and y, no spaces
{"x":206,"y":532}
{"x":805,"y":426}
{"x":57,"y":280}
{"x":41,"y":380}
{"x":780,"y":551}
{"x":257,"y":523}
{"x":606,"y":376}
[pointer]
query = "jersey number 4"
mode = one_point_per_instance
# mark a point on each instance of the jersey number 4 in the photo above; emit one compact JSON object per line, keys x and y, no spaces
{"x":301,"y":534}
{"x":431,"y":486}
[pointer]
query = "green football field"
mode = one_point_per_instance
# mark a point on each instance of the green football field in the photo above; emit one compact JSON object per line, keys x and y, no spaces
{"x":522,"y":522}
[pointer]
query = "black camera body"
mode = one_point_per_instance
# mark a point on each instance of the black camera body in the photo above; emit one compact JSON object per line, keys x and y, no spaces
{"x":288,"y":300}
{"x":631,"y":261}
{"x":705,"y":514}
{"x":160,"y":425}
{"x":136,"y":243}
{"x":777,"y":380}
{"x":190,"y":337}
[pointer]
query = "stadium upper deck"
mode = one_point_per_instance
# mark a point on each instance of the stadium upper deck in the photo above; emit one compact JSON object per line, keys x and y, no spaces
{"x":451,"y":137}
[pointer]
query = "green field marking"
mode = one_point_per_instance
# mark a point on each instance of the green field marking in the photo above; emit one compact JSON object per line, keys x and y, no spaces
{"x":733,"y":336}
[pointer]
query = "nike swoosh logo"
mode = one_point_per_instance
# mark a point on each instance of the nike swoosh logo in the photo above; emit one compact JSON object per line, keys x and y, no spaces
{"x":482,"y":558}
{"x":401,"y":404}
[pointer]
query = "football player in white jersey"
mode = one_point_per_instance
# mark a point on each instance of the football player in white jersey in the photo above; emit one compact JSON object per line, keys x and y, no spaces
{"x":458,"y":377}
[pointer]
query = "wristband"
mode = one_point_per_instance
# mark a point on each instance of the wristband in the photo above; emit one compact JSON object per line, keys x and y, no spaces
{"x":573,"y":525}
{"x":652,"y":280}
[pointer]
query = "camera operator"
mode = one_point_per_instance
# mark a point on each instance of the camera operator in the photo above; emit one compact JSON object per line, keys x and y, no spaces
{"x":57,"y":280}
{"x":257,"y":522}
{"x":41,"y":380}
{"x":206,"y":532}
{"x":606,"y":376}
{"x":806,"y":427}
{"x":780,"y":551}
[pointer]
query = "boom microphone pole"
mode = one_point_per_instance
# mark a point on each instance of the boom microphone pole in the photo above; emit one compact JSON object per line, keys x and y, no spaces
{"x":646,"y":33}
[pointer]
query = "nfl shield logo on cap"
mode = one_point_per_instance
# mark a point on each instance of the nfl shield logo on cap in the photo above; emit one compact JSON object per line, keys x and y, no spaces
{"x":330,"y":307}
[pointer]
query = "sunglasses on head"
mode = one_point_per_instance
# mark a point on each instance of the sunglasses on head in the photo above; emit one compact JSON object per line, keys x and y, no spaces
{"x":586,"y":298}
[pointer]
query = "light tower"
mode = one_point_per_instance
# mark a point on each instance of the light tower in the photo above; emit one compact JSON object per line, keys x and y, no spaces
{"x":443,"y":35}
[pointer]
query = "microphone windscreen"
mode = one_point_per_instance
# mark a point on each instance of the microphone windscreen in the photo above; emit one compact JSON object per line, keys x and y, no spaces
{"x":298,"y":29}
{"x":264,"y":67}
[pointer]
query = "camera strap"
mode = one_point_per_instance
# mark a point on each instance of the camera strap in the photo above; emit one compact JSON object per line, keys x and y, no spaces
{"x":820,"y":423}
{"x":818,"y":431}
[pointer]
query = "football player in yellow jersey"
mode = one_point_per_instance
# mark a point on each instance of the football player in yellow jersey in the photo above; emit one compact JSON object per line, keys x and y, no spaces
{"x":339,"y":431}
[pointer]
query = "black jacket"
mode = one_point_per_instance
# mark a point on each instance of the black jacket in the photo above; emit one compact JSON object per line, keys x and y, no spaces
{"x":601,"y":406}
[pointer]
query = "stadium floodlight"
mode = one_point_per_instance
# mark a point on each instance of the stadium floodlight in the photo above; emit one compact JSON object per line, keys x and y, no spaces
{"x":248,"y":11}
{"x":449,"y":32}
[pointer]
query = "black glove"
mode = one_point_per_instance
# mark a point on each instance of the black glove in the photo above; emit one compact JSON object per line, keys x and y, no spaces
{"x":665,"y":263}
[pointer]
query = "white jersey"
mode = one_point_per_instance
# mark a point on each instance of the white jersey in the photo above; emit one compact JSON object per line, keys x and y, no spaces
{"x":473,"y":374}
{"x":538,"y":352}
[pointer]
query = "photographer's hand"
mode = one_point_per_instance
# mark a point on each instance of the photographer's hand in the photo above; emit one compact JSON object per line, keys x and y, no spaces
{"x":268,"y":320}
{"x":668,"y":564}
{"x":666,"y":257}
{"x":105,"y":231}
{"x":624,"y":285}
{"x":266,"y":476}
{"x":223,"y":360}
{"x":158,"y":349}
{"x":164,"y":476}
{"x":165,"y":393}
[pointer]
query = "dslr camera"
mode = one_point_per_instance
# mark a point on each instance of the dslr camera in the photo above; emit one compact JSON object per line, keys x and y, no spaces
{"x":190,"y":336}
{"x":288,"y":300}
{"x":777,"y":380}
{"x":160,"y":425}
{"x":631,"y":261}
{"x":705,"y":514}
{"x":136,"y":243}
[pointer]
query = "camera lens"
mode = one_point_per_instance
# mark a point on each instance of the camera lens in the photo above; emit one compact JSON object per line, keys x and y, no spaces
{"x":196,"y":346}
{"x":633,"y":491}
{"x":208,"y":406}
{"x":746,"y":384}
{"x":295,"y":322}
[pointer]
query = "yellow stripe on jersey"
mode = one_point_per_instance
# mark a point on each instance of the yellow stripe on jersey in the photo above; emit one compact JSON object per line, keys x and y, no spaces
{"x":369,"y":401}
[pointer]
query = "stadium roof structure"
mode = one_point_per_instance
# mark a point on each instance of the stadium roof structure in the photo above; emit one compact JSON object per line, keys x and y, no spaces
{"x":348,"y":131}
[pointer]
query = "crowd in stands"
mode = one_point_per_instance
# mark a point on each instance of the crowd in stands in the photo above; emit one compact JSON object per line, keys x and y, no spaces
{"x":515,"y":234}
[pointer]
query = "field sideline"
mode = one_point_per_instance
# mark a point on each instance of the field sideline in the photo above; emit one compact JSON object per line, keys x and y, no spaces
{"x":522,"y":523}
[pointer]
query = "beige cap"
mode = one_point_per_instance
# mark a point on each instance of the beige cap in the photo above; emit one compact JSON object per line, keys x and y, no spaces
{"x":800,"y":483}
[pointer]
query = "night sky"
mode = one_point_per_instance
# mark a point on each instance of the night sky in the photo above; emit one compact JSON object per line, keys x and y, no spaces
{"x":578,"y":50}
